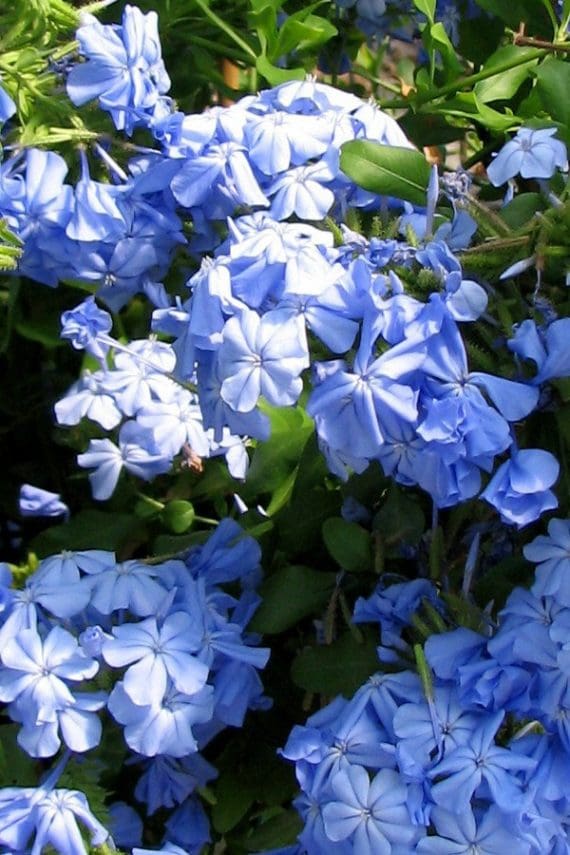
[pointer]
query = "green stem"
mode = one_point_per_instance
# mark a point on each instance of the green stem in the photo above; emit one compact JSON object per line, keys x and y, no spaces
{"x":206,"y":520}
{"x":226,"y":29}
{"x":362,"y":72}
{"x":464,"y":82}
{"x":154,"y":503}
{"x":210,"y":45}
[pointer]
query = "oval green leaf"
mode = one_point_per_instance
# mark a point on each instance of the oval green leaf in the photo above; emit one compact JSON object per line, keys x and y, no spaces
{"x":349,"y":544}
{"x":289,"y":595}
{"x":387,"y":170}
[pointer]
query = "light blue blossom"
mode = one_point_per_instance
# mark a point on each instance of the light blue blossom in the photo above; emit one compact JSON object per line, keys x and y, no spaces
{"x":35,"y":502}
{"x":458,"y":775}
{"x":532,"y":153}
{"x":124,"y":68}
{"x":128,"y":585}
{"x":520,"y":488}
{"x":372,"y":813}
{"x":137,"y":452}
{"x":36,"y":671}
{"x":462,"y":834}
{"x":87,"y":327}
{"x":262,"y":356}
{"x":552,"y":554}
{"x":164,"y":726}
{"x":159,"y":654}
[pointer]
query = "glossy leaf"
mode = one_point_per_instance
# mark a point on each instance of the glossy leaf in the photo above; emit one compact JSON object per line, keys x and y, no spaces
{"x":387,"y":170}
{"x":349,"y":544}
{"x":427,"y":8}
{"x":337,"y":668}
{"x":505,"y":84}
{"x":290,"y":594}
{"x":553,"y":84}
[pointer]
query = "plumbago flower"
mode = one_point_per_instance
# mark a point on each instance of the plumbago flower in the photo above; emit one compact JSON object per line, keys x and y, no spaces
{"x":124,"y":68}
{"x":48,"y":815}
{"x":272,"y":296}
{"x":171,"y":650}
{"x":35,"y":502}
{"x":432,"y":765}
{"x":532,"y":153}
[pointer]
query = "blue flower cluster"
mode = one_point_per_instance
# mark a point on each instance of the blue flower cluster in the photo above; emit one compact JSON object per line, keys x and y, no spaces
{"x":470,"y":757}
{"x":159,"y":645}
{"x":119,"y":236}
{"x":158,"y":417}
{"x":49,"y":815}
{"x":274,"y":296}
{"x":390,"y":376}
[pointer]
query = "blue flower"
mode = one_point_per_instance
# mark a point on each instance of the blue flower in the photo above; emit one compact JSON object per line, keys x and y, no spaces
{"x":548,"y":348}
{"x":519,"y":489}
{"x":552,"y":554}
{"x":159,"y":654}
{"x":532,"y":153}
{"x":124,"y":68}
{"x":137,"y":452}
{"x":464,"y":833}
{"x":461,"y":771}
{"x":129,"y":585}
{"x":165,"y":725}
{"x":87,"y":327}
{"x":168,"y":781}
{"x":372,"y":813}
{"x":262,"y":356}
{"x":35,"y":502}
{"x":88,"y":398}
{"x":56,"y":816}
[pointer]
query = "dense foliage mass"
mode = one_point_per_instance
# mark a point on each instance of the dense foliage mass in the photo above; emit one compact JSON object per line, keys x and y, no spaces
{"x":286,"y":423}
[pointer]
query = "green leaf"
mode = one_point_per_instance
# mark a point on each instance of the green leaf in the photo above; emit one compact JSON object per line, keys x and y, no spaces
{"x":274,"y":460}
{"x":282,"y":494}
{"x":430,"y":129}
{"x":478,"y":39}
{"x":16,"y":768}
{"x":504,"y":84}
{"x":277,"y":831}
{"x":466,"y":105}
{"x":400,"y":520}
{"x":522,"y":209}
{"x":299,"y":524}
{"x":178,"y":516}
{"x":232,"y":801}
{"x":498,"y":583}
{"x":338,"y":668}
{"x":349,"y":544}
{"x":311,"y":470}
{"x":435,"y":38}
{"x":534,"y":12}
{"x":264,"y":20}
{"x":553,"y":85}
{"x":302,"y":31}
{"x":427,"y":8}
{"x":290,"y":594}
{"x":386,"y":170}
{"x":89,"y":529}
{"x":274,"y":75}
{"x":171,"y":544}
